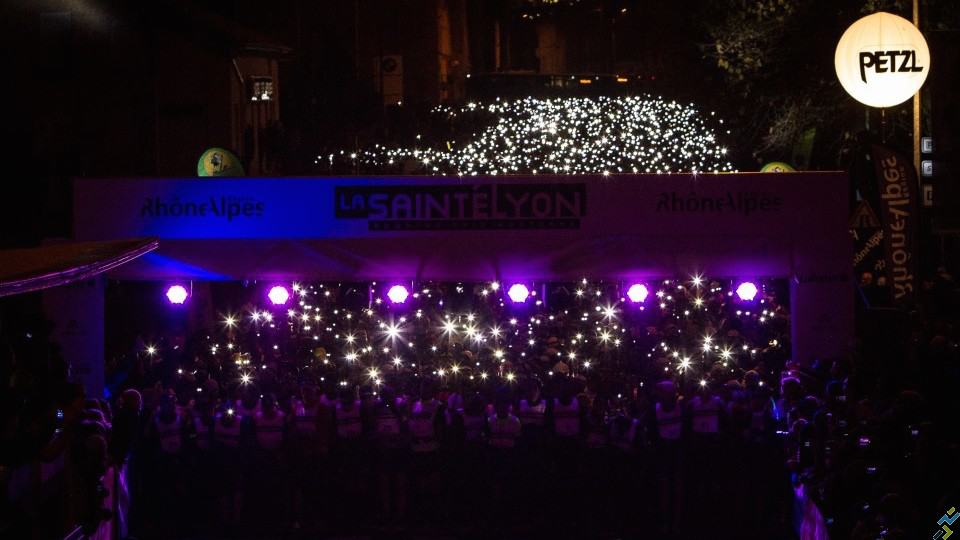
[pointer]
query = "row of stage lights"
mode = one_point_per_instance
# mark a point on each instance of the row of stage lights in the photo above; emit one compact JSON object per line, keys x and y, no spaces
{"x":278,"y":295}
{"x":518,"y":293}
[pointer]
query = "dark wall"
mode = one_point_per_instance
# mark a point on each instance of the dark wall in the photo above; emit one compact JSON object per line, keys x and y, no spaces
{"x":77,"y":104}
{"x":944,"y":117}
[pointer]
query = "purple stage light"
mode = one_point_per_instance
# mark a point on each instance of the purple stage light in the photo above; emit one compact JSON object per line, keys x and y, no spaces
{"x":278,"y":295}
{"x":518,"y":292}
{"x":177,"y":294}
{"x":398,"y":294}
{"x":637,"y":293}
{"x":747,"y":291}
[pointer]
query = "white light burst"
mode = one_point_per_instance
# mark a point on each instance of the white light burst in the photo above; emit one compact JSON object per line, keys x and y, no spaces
{"x":568,"y":135}
{"x":392,"y":331}
{"x":230,"y":321}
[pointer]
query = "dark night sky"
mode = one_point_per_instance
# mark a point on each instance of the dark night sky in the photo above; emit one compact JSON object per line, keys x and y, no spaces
{"x":109,"y":87}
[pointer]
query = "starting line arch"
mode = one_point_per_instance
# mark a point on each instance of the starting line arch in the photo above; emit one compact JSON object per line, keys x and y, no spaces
{"x":553,"y":228}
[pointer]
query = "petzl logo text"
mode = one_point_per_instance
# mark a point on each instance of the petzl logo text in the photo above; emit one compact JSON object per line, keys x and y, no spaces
{"x":895,"y":61}
{"x":463,"y":207}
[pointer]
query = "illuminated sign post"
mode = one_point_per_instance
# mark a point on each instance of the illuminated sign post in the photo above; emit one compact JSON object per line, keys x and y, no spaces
{"x":882,"y":60}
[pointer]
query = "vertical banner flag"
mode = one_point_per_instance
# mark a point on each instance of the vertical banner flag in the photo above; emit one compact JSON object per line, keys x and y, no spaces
{"x":867,"y":240}
{"x":899,"y":213}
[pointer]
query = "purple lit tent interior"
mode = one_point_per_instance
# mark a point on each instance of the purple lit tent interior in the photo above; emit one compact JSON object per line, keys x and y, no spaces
{"x":536,"y":228}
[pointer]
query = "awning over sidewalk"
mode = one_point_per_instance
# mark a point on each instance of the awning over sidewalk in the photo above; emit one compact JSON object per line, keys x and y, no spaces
{"x":26,"y":270}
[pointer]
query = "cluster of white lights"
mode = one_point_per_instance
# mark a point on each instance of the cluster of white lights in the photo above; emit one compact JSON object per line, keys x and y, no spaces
{"x":591,"y":329}
{"x":569,"y":135}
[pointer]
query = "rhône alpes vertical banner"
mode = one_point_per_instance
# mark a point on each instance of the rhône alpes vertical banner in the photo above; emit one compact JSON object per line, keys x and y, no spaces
{"x":899,"y":213}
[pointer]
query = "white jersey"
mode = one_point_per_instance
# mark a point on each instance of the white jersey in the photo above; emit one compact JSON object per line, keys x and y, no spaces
{"x":504,"y":431}
{"x":473,"y":427}
{"x":706,"y":414}
{"x":761,"y":415}
{"x":387,"y":426}
{"x":566,"y":418}
{"x":670,"y":423}
{"x":203,"y":432}
{"x":624,"y":440}
{"x":227,"y":436}
{"x":454,"y":408}
{"x":348,"y":421}
{"x":532,"y":415}
{"x":422,"y":425}
{"x":245,"y":412}
{"x":269,"y":430}
{"x":305,"y":419}
{"x":169,"y":434}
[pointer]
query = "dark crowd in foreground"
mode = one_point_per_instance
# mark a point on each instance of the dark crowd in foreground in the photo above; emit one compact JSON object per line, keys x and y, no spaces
{"x":870,"y":439}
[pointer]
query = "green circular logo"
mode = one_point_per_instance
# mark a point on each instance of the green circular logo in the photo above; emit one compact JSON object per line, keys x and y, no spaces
{"x":219,"y":162}
{"x":777,"y":166}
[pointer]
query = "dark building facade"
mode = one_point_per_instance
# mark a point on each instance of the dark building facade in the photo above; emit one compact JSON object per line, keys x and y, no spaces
{"x":126,"y":89}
